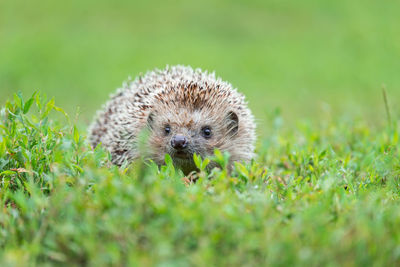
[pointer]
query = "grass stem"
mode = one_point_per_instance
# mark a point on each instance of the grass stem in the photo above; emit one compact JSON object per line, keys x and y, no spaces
{"x":385,"y":99}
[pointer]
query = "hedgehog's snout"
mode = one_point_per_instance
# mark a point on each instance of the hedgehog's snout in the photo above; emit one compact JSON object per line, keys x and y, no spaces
{"x":179,"y":142}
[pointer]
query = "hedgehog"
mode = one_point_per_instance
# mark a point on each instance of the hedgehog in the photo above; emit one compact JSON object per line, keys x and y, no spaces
{"x":186,"y":111}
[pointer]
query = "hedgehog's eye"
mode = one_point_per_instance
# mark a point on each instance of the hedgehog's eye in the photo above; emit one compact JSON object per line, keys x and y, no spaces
{"x":167,"y":129}
{"x":206,"y":132}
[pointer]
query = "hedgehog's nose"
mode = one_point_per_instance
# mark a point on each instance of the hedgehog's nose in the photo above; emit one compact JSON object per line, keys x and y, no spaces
{"x":179,"y":142}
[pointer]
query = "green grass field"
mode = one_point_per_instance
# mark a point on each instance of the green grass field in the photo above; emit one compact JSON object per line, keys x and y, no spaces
{"x":323,"y":189}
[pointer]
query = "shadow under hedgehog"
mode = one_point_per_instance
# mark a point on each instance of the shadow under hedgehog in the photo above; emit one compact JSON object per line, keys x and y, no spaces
{"x":187,"y":111}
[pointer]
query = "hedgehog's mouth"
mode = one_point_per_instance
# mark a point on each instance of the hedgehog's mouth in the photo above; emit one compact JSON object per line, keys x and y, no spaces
{"x":182,"y":155}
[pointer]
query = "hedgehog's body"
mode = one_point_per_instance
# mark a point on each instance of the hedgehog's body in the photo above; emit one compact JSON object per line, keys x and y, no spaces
{"x":187,"y":111}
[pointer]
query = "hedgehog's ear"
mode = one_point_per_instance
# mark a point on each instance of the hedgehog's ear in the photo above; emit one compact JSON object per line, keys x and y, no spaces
{"x":150,"y":120}
{"x":233,"y":123}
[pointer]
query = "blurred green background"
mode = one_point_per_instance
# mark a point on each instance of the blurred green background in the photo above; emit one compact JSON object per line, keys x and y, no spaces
{"x":308,"y":58}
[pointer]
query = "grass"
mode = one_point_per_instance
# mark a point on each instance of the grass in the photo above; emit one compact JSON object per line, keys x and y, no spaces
{"x":323,"y":189}
{"x":324,"y":194}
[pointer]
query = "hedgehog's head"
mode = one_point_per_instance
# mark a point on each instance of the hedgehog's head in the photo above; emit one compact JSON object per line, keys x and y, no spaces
{"x":194,"y":119}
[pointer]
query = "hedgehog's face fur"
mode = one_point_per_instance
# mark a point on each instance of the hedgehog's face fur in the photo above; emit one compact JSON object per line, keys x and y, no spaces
{"x":189,"y":122}
{"x":182,"y":134}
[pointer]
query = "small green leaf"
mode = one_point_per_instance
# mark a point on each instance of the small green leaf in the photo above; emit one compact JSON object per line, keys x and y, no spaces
{"x":29,"y":103}
{"x":76,"y":135}
{"x":49,"y":107}
{"x":61,"y":111}
{"x":197,"y":160}
{"x":7,"y":173}
{"x":242,"y":169}
{"x":322,"y":154}
{"x":17,"y":101}
{"x":218,"y":154}
{"x":3,"y":147}
{"x":78,"y":168}
{"x":221,"y":159}
{"x":168,"y":160}
{"x":205,"y":164}
{"x":39,"y":101}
